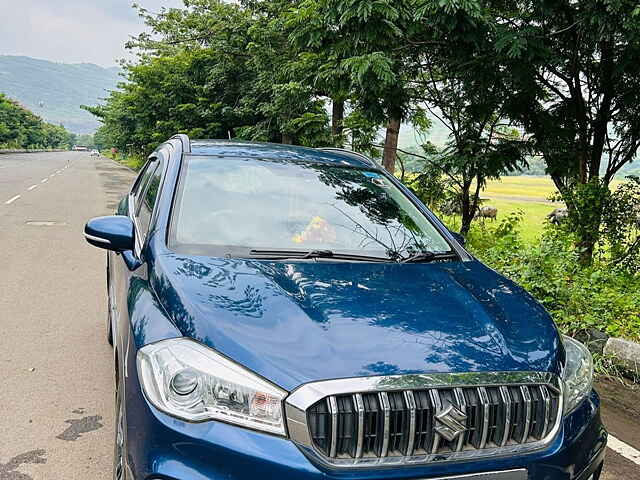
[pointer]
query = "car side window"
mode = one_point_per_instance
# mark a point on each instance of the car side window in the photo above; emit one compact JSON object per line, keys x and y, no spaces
{"x":151,"y":193}
{"x":146,"y":199}
{"x":143,"y":178}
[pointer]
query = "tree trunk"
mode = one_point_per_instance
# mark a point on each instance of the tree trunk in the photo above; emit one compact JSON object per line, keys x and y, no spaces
{"x":588,"y":230}
{"x":586,"y":208}
{"x":586,"y":247}
{"x":583,"y":166}
{"x":391,"y":144}
{"x":337,"y":119}
{"x":467,"y":210}
{"x":287,"y":139}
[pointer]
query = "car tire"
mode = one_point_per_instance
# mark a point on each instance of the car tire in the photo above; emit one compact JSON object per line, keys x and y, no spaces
{"x":119,"y":471}
{"x":109,"y":325}
{"x":109,"y":322}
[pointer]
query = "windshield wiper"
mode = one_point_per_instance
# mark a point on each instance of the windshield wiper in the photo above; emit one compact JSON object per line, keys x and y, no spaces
{"x":429,"y":257}
{"x":313,"y":254}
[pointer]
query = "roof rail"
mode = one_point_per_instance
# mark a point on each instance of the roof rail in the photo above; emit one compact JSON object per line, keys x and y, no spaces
{"x":186,"y":143}
{"x":352,"y":154}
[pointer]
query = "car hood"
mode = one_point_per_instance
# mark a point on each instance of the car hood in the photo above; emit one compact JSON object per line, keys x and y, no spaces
{"x":298,"y":322}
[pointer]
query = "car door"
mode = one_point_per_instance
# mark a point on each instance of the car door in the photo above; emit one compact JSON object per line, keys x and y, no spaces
{"x":124,"y":267}
{"x":114,"y":273}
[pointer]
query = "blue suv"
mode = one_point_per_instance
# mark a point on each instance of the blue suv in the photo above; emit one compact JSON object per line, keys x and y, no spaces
{"x":280,"y":312}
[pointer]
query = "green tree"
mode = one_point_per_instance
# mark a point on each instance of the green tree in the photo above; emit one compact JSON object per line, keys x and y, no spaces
{"x":364,"y":47}
{"x":571,"y":71}
{"x":292,"y":107}
{"x":483,"y":144}
{"x":20,"y":128}
{"x":213,"y":70}
{"x":575,"y":89}
{"x":101,"y":139}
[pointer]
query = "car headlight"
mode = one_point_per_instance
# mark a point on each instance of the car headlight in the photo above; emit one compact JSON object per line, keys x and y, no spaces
{"x":577,"y":374}
{"x":190,"y":381}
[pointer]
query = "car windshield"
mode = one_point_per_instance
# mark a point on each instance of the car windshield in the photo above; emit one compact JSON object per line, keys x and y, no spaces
{"x":225,"y":205}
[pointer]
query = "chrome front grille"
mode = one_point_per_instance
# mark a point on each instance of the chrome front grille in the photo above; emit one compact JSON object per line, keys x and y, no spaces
{"x":436,"y":418}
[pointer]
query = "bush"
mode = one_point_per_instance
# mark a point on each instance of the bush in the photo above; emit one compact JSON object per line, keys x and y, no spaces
{"x":621,"y":225}
{"x":604,"y":295}
{"x":134,"y":162}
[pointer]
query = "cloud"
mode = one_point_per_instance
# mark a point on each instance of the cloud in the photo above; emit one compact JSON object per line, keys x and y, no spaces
{"x":72,"y":31}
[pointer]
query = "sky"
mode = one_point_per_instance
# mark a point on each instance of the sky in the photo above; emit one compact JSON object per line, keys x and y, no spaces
{"x":72,"y":31}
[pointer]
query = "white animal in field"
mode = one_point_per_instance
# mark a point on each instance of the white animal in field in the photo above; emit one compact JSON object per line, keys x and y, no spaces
{"x":558,"y":216}
{"x":488,"y":212}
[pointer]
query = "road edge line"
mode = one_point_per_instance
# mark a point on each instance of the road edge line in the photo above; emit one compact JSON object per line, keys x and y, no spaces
{"x":624,"y":449}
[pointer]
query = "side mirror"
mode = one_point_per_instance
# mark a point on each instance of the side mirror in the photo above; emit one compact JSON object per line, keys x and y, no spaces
{"x":111,"y":233}
{"x":459,"y":238}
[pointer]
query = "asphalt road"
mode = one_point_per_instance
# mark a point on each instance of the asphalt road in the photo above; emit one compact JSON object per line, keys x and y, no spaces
{"x":56,"y":398}
{"x":57,"y":394}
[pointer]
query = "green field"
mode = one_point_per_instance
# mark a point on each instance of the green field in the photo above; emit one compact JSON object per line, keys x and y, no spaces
{"x":535,"y":188}
{"x":527,"y":194}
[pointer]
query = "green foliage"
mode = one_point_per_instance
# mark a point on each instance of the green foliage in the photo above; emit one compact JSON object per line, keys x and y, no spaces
{"x":214,"y":70}
{"x":430,"y":185}
{"x":363,"y":43}
{"x":574,"y":88}
{"x":168,"y":95}
{"x":362,"y":132}
{"x":599,"y":296}
{"x":134,"y":161}
{"x":621,"y":225}
{"x":586,"y":203}
{"x":19,"y":128}
{"x":510,"y":81}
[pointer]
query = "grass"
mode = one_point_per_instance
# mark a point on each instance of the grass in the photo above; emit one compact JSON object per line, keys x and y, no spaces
{"x":531,"y":188}
{"x":134,"y":162}
{"x":533,"y":219}
{"x":534,"y":216}
{"x":528,"y":194}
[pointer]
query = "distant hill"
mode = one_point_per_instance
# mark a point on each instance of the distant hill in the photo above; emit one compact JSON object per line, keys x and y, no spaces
{"x":438,"y":134}
{"x":410,"y":139}
{"x":630,"y":169}
{"x":55,"y":91}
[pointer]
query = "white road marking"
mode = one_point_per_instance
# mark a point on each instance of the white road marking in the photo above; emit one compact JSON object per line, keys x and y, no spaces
{"x":627,"y":451}
{"x":44,"y":180}
{"x":52,"y":175}
{"x":11,"y":200}
{"x":32,"y":187}
{"x":58,"y":172}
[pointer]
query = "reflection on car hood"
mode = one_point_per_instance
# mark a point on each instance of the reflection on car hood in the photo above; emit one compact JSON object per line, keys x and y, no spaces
{"x":299,"y":322}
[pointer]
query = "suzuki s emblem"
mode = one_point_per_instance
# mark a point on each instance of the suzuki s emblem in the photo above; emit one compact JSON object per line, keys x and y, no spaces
{"x":450,"y":422}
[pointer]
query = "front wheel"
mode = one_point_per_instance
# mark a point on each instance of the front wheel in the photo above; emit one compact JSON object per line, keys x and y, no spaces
{"x":109,"y":326}
{"x":109,"y":308}
{"x":118,"y":453}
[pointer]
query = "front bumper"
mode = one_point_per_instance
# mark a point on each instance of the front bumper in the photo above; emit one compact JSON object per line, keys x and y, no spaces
{"x":162,"y":447}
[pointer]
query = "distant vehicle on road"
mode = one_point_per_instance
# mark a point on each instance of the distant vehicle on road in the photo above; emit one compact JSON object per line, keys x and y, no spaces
{"x":94,"y":153}
{"x":281,"y":312}
{"x":80,"y":148}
